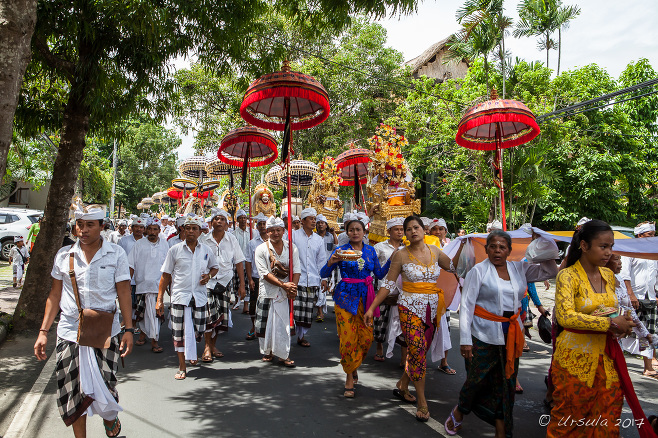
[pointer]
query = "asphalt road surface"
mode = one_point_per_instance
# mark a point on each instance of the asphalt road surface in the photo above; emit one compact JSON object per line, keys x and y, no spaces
{"x":240,"y":396}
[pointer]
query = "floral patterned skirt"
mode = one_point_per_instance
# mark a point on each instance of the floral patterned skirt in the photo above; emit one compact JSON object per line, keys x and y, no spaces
{"x":581,"y":411}
{"x":355,"y":338}
{"x":419,"y":338}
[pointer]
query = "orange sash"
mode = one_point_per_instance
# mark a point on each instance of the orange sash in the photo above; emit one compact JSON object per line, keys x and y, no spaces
{"x":427,"y":289}
{"x":514,"y":344}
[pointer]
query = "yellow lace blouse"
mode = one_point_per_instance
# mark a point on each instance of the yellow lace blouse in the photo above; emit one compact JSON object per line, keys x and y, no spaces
{"x":574,"y":300}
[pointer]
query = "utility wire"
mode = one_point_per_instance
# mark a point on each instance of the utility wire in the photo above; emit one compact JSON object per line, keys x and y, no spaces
{"x":366,"y":74}
{"x":572,"y":109}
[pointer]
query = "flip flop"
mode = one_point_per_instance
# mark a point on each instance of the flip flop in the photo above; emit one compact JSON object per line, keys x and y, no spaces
{"x":206,"y":359}
{"x":140,"y":342}
{"x":194,"y":362}
{"x":267,"y":358}
{"x":109,"y":430}
{"x":347,"y":392}
{"x":518,"y":389}
{"x":379,"y":358}
{"x":287,"y":363}
{"x":526,"y":348}
{"x":652,"y":374}
{"x":157,"y":349}
{"x":180,"y":375}
{"x":251,"y":336}
{"x":456,"y":425}
{"x":447,"y":370}
{"x":303,"y":343}
{"x":423,"y":410}
{"x":401,"y":394}
{"x":319,"y":319}
{"x":218,"y":354}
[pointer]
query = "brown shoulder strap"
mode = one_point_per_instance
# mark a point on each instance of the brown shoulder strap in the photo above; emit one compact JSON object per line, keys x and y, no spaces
{"x":272,"y":258}
{"x":74,"y":283}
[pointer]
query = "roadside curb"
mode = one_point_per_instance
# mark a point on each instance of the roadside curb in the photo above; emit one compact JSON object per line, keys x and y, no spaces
{"x":5,"y":326}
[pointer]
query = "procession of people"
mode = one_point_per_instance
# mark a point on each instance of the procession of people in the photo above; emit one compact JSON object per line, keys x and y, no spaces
{"x":390,"y":294}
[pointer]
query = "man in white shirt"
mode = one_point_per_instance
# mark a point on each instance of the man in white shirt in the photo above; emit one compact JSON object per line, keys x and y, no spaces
{"x":145,"y":261}
{"x":312,"y":257}
{"x":252,"y":272}
{"x":328,"y":235}
{"x":188,"y":267}
{"x":85,"y":375}
{"x":122,"y":230}
{"x":244,"y":235}
{"x":273,"y":311}
{"x":180,"y":232}
{"x":229,"y":256}
{"x":639,"y":276}
{"x":387,"y":311}
{"x":166,"y":228}
{"x":18,"y":257}
{"x":137,"y":227}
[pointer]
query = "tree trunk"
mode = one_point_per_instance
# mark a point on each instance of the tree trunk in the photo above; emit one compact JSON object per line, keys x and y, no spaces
{"x":502,"y":59}
{"x":548,"y":35}
{"x":486,"y":73}
{"x":559,"y":49}
{"x":17,"y":20}
{"x":532,"y":215}
{"x":29,"y":311}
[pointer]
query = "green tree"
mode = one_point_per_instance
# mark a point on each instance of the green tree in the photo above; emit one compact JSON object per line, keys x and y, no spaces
{"x":147,"y":162}
{"x":114,"y":60}
{"x":538,"y":18}
{"x":564,"y":15}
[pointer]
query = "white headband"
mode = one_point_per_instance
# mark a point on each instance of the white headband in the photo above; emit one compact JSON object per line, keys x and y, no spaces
{"x":219,"y":212}
{"x":239,"y":213}
{"x":394,"y":222}
{"x":320,"y":218}
{"x":89,"y":213}
{"x":310,"y":211}
{"x":260,"y":217}
{"x":139,"y":221}
{"x":274,"y":222}
{"x":644,"y":228}
{"x":194,"y":220}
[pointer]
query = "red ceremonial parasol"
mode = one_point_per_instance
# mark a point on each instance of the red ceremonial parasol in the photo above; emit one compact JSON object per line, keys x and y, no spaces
{"x":175,"y":193}
{"x":285,"y":101}
{"x":494,"y":125}
{"x":247,"y":147}
{"x":352,"y":166}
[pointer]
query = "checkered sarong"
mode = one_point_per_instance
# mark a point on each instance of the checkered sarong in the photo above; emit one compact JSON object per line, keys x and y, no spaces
{"x":177,"y":314}
{"x":217,"y":310}
{"x":71,"y":401}
{"x":648,"y":317}
{"x":140,"y":307}
{"x":304,"y":305}
{"x":262,"y":313}
{"x":380,"y":323}
{"x":253,"y":297}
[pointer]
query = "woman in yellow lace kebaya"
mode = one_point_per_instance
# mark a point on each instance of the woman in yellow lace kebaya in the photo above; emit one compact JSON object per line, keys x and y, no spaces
{"x":420,"y":305}
{"x":588,"y":396}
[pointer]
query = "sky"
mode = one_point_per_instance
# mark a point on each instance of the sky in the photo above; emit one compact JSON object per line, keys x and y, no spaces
{"x":607,"y":32}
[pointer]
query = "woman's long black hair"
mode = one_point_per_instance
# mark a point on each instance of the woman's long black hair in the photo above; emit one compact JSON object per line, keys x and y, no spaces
{"x":587,"y":233}
{"x":413,"y":218}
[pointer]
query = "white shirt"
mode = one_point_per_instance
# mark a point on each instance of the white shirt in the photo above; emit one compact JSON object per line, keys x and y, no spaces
{"x":249,"y":255}
{"x":110,"y":236}
{"x":186,"y":268}
{"x":642,"y":275}
{"x":227,"y":253}
{"x":15,"y":255}
{"x":312,"y":256}
{"x":262,"y":261}
{"x":96,"y":284}
{"x":482,"y":287}
{"x":146,"y":259}
{"x":328,"y":243}
{"x":175,"y":240}
{"x":127,"y":243}
{"x":243,"y":237}
{"x":384,"y":251}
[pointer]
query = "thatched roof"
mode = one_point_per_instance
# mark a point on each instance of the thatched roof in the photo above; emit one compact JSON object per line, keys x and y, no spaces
{"x":427,"y":55}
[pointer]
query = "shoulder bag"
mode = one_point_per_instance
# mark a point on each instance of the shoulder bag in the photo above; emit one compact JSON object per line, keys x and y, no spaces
{"x":278,"y":269}
{"x":94,"y":326}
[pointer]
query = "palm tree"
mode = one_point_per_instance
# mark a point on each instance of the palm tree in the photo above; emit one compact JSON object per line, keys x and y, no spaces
{"x":483,"y":30}
{"x":564,"y":15}
{"x":538,"y":18}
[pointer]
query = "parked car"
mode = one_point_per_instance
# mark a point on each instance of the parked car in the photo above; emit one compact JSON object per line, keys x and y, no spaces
{"x":15,"y":222}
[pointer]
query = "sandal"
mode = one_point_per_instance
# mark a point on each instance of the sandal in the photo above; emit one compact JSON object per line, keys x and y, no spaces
{"x":402,"y":394}
{"x":287,"y":363}
{"x":194,"y":362}
{"x":140,"y":341}
{"x":653,"y":374}
{"x":349,"y":392}
{"x":267,"y":358}
{"x":303,"y":343}
{"x":218,"y":354}
{"x":379,"y":357}
{"x":519,"y":388}
{"x":456,"y":425}
{"x":180,"y":375}
{"x":251,"y":336}
{"x":447,"y":370}
{"x":206,"y":359}
{"x":157,"y":349}
{"x":423,"y":410}
{"x":319,"y":319}
{"x":526,"y":348}
{"x":109,"y":430}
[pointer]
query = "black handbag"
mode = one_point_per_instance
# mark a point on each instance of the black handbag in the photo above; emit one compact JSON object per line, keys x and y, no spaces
{"x":647,"y":306}
{"x":545,"y":328}
{"x":218,"y":290}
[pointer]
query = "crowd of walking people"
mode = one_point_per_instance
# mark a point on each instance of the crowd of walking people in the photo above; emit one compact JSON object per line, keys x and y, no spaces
{"x":117,"y":287}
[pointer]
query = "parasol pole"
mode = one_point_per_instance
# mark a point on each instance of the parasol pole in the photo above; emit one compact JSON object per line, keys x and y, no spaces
{"x":287,"y":150}
{"x":499,"y":167}
{"x":249,"y":197}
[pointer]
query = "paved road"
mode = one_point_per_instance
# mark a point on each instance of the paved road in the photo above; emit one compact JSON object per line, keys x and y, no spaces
{"x":239,"y":396}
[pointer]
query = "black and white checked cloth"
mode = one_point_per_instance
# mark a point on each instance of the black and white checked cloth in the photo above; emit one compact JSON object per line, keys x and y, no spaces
{"x":177,"y":314}
{"x":262,"y":314}
{"x":304,"y":305}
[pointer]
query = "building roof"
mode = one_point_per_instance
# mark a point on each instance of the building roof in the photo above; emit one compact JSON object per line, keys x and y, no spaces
{"x":424,"y":57}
